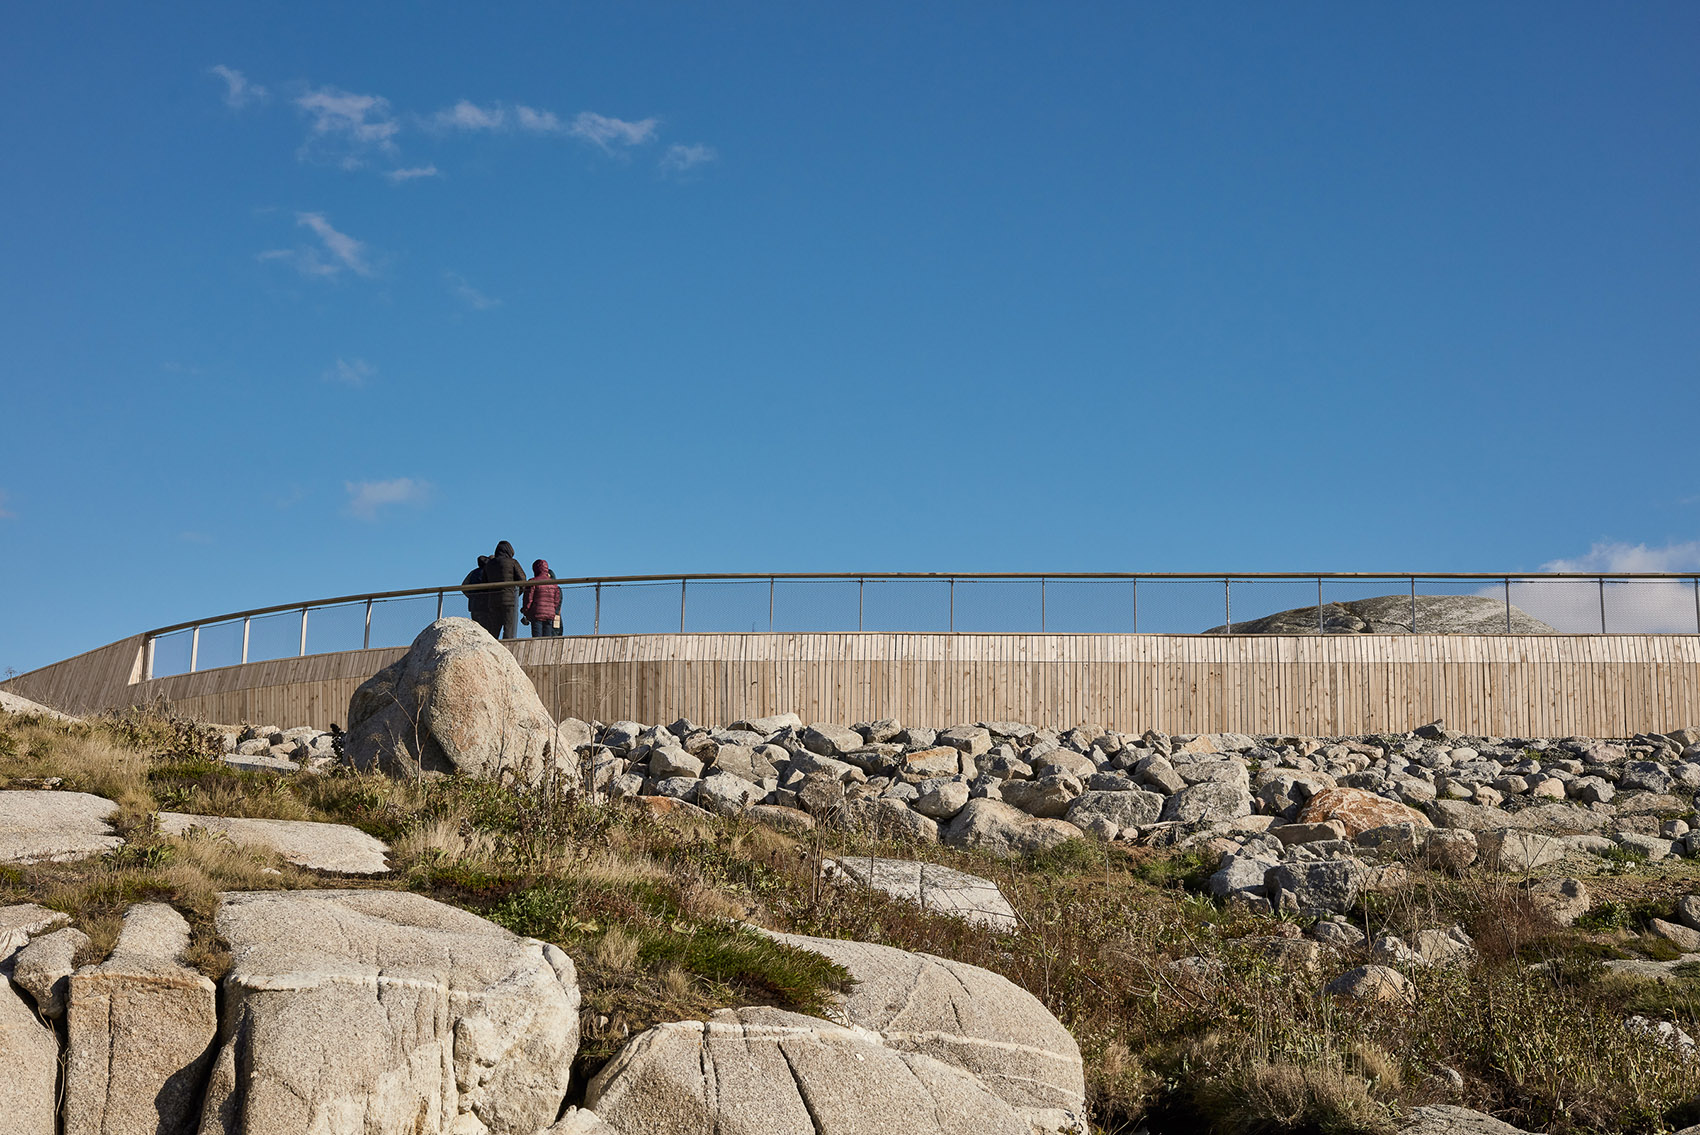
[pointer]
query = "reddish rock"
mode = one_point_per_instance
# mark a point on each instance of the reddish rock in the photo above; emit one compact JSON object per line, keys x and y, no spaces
{"x":1358,"y":811}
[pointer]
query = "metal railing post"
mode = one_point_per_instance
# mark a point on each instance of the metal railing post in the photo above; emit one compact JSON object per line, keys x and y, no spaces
{"x":770,"y":583}
{"x":1136,"y":606}
{"x":147,"y":659}
{"x":1508,"y":606}
{"x":1319,"y":626}
{"x":303,"y":653}
{"x":440,"y":604}
{"x":1697,"y":605}
{"x":1042,"y":607}
{"x":953,"y":606}
{"x":366,"y":642}
{"x":1413,"y":604}
{"x":1602,"y":605}
{"x":245,"y":628}
{"x":596,"y":619}
{"x":682,"y":584}
{"x":861,"y":600}
{"x":1227,"y":607}
{"x":194,"y":648}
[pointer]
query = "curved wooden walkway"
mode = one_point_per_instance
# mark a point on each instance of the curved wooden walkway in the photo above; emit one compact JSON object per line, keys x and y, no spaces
{"x":1536,"y":686}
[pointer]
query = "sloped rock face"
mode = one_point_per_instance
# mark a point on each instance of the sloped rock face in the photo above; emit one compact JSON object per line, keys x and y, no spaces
{"x":29,"y":1067}
{"x":965,"y":1016}
{"x":456,"y":702}
{"x":359,"y":1011}
{"x":1358,"y":811}
{"x":1005,"y":830}
{"x":306,"y":843}
{"x":39,"y":826}
{"x":139,"y":1033}
{"x":935,"y":888}
{"x":1391,"y":614}
{"x":763,"y":1071}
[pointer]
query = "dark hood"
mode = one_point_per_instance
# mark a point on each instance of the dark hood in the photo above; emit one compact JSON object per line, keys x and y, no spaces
{"x":505,"y":549}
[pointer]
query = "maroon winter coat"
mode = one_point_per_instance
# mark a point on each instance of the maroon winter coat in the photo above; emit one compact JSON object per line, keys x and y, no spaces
{"x":543,"y":602}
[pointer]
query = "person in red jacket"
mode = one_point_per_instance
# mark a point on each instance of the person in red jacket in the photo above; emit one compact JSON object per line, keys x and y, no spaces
{"x":542,"y":607}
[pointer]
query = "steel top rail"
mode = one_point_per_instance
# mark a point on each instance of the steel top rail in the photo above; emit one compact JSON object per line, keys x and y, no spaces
{"x":616,"y":580}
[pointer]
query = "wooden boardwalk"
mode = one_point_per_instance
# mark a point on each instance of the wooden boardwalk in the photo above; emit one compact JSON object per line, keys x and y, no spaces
{"x":1520,"y":686}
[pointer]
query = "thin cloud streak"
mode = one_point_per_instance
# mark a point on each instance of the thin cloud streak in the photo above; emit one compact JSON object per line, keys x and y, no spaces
{"x":412,"y":173}
{"x":347,"y":127}
{"x":350,"y":372}
{"x":365,"y":498}
{"x":606,"y":132}
{"x":239,"y":91}
{"x":469,"y":295}
{"x":339,"y":251}
{"x":680,"y":158}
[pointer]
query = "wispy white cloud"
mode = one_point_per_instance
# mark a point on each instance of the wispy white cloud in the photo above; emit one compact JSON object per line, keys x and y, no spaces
{"x":538,"y":121}
{"x":469,"y":295}
{"x":337,"y":251}
{"x":465,"y":115}
{"x":1611,"y":556}
{"x":351,"y":372}
{"x":365,"y":498}
{"x":606,"y":132}
{"x":346,"y":127}
{"x":680,"y":158}
{"x":411,"y":173}
{"x":239,"y":91}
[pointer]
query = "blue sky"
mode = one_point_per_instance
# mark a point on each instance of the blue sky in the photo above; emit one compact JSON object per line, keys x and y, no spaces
{"x":308,"y":299}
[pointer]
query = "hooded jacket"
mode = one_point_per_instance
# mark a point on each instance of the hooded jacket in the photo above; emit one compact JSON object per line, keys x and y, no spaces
{"x":543,"y":602}
{"x":477,"y":602}
{"x":503,"y":568}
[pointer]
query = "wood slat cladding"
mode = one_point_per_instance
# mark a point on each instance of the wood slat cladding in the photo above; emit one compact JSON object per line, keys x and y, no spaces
{"x":1537,"y":686}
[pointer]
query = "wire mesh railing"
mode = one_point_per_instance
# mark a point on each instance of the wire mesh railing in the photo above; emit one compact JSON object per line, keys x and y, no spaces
{"x":998,"y":603}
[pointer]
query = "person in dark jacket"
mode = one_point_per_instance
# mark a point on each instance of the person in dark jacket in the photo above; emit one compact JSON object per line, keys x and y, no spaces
{"x":478,"y":602}
{"x":542,"y":606}
{"x":504,"y":603}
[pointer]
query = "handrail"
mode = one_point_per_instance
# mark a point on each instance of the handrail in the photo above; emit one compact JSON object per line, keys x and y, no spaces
{"x":850,"y":577}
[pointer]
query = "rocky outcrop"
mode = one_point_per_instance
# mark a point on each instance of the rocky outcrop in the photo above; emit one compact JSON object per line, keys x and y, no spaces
{"x":1446,"y":1119}
{"x":1004,"y":830}
{"x":139,"y":1032}
{"x":930,"y":886}
{"x":758,"y":1071}
{"x":44,"y":967}
{"x":1358,"y":811}
{"x":1391,"y":614}
{"x":29,"y":1068}
{"x":38,"y":825}
{"x":305,"y":843}
{"x":457,"y":702}
{"x":965,"y":1016}
{"x":354,"y":1011}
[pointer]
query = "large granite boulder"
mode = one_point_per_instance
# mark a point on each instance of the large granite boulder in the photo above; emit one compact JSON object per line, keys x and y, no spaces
{"x":932,"y":887}
{"x":455,"y":702}
{"x":761,"y":1071}
{"x":1358,"y":811}
{"x":357,"y":1011}
{"x":29,"y":1067}
{"x":1391,"y":614}
{"x":1447,"y":1119}
{"x":139,"y":1032}
{"x":305,"y":843}
{"x":967,"y":1017}
{"x":40,"y":825}
{"x":1004,"y":830}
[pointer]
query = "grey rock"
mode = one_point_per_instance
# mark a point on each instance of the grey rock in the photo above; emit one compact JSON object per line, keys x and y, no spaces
{"x":1684,"y":938}
{"x":830,"y":740}
{"x":1004,"y":830}
{"x":1317,"y":887}
{"x":1514,"y":850}
{"x":39,"y":826}
{"x":961,"y":1015}
{"x":1688,"y":910}
{"x":29,"y":1058}
{"x":677,"y":788}
{"x":969,"y":739}
{"x":791,"y":820}
{"x":306,"y":843}
{"x":1340,"y":935}
{"x":726,"y":795}
{"x":20,"y":923}
{"x":1391,"y":614}
{"x":762,"y":1071}
{"x":1645,"y":776}
{"x":385,"y":1011}
{"x":1452,"y":850}
{"x":767,"y":726}
{"x":1048,"y":797}
{"x":1370,"y":983}
{"x":667,"y":761}
{"x":935,"y":888}
{"x":456,"y":702}
{"x":1122,"y":809}
{"x":1240,"y":873}
{"x":1652,"y":846}
{"x":1445,"y":1119}
{"x":1207,"y":802}
{"x":944,"y":801}
{"x":139,"y":1032}
{"x":43,"y":969}
{"x":1063,"y":761}
{"x":1540,"y":817}
{"x":886,"y":818}
{"x":1157,"y":773}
